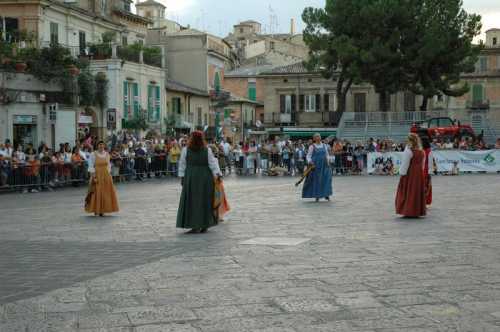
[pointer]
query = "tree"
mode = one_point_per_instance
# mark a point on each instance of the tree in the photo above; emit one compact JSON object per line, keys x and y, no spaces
{"x":380,"y":40}
{"x":86,"y":88}
{"x":331,"y":51}
{"x":440,"y":48}
{"x":417,"y":45}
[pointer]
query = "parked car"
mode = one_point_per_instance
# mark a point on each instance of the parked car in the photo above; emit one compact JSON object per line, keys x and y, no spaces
{"x":442,"y":128}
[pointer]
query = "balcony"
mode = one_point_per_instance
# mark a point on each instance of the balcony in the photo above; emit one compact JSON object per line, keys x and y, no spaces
{"x":279,"y":119}
{"x":478,"y":104}
{"x":151,"y":56}
{"x":319,"y":119}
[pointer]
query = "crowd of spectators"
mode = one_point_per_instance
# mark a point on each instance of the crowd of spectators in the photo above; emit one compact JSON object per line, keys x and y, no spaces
{"x":33,"y":169}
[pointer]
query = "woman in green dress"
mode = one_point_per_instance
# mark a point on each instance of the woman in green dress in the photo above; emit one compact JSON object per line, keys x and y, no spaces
{"x":198,"y":169}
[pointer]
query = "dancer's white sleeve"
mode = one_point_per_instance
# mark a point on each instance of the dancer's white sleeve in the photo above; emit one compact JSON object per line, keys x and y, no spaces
{"x":213,"y":163}
{"x":182,"y":163}
{"x":405,"y":163}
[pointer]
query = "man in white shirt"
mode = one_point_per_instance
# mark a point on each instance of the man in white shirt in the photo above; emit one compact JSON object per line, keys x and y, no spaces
{"x":227,"y":155}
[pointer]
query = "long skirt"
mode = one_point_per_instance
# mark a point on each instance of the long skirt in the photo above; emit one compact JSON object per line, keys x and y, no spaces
{"x":410,"y":197}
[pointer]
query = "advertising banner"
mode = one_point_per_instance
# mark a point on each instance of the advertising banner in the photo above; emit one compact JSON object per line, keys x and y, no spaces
{"x":488,"y":161}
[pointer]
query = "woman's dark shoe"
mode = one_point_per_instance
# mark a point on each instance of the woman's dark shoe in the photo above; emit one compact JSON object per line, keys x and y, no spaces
{"x":317,"y":200}
{"x":193,"y":231}
{"x":204,"y":230}
{"x":101,"y":215}
{"x":327,"y":198}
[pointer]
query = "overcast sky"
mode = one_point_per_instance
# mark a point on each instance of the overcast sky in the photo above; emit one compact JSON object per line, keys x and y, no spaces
{"x":218,"y":16}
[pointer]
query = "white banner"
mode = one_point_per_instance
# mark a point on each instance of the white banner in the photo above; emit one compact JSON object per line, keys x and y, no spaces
{"x":468,"y":161}
{"x":388,"y":163}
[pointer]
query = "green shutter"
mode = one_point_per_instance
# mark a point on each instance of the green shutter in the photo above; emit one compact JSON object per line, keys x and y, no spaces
{"x":157,"y":104}
{"x":477,"y":93}
{"x":252,"y":93}
{"x":217,"y":82}
{"x":125,"y":100}
{"x":137,"y":109}
{"x":150,"y":103}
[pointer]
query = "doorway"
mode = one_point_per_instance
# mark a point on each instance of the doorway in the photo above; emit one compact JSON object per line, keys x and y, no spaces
{"x":25,"y":134}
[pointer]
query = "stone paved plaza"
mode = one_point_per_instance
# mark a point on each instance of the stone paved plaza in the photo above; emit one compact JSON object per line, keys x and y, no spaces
{"x":277,"y":264}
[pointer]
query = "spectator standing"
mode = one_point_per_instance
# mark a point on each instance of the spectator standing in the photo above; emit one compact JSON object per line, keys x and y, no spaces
{"x":173,"y":158}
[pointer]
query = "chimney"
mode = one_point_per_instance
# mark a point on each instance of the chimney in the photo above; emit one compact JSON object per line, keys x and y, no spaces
{"x":292,"y":26}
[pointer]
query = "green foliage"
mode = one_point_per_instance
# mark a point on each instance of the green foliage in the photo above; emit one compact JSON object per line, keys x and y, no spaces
{"x":108,"y":37}
{"x":86,"y":88}
{"x":48,"y":64}
{"x":135,"y":124}
{"x":442,"y":48}
{"x":420,"y":45}
{"x":101,"y":92}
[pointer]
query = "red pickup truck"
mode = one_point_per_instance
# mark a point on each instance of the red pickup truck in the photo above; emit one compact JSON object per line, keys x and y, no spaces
{"x":442,"y":128}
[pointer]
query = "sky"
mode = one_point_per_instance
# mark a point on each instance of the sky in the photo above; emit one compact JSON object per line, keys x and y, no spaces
{"x":219,"y":16}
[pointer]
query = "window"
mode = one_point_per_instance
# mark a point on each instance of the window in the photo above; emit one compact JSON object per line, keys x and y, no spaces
{"x":124,"y":41}
{"x":495,"y":41}
{"x":176,"y":105}
{"x":445,"y":122}
{"x":477,"y":93}
{"x":271,"y":45}
{"x":103,"y":7}
{"x":154,"y":103}
{"x":360,"y":102}
{"x":199,"y":116}
{"x":82,"y":42}
{"x":54,"y":33}
{"x":241,"y":30}
{"x":483,"y":64}
{"x":126,"y":6}
{"x":217,"y":82}
{"x":252,"y":91}
{"x":287,"y":104}
{"x":433,"y":123}
{"x":205,"y":119}
{"x":387,"y":103}
{"x":131,"y":106}
{"x":326,"y":102}
{"x":148,"y":14}
{"x":409,"y":100}
{"x":311,"y":103}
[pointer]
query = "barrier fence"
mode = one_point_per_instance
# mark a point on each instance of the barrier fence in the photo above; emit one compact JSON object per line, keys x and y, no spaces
{"x":446,"y":162}
{"x":36,"y":176}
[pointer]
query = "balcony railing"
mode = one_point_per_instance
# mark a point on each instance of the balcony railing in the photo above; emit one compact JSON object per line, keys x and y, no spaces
{"x":326,"y":118}
{"x":478,"y":104}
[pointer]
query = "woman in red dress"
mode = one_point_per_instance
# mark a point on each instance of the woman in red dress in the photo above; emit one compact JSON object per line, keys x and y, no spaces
{"x":410,"y":197}
{"x":428,"y":169}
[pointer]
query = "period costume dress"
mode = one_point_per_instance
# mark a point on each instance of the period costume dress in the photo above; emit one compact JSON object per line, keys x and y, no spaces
{"x":318,"y":183}
{"x":428,"y":168}
{"x":198,"y":169}
{"x":410,"y":197}
{"x":102,"y":194}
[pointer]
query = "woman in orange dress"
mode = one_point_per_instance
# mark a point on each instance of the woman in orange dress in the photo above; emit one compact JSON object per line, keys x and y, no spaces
{"x":410,"y":197}
{"x":102,"y":194}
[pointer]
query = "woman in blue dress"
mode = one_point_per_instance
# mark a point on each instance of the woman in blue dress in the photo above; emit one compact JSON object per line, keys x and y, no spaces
{"x":318,"y":183}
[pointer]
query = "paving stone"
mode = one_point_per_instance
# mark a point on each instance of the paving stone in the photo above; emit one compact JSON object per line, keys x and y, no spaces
{"x":360,"y":269}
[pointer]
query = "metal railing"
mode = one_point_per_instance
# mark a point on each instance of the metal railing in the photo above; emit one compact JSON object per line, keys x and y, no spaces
{"x":329,"y":118}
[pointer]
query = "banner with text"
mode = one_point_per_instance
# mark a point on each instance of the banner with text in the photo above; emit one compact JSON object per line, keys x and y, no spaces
{"x":388,"y":163}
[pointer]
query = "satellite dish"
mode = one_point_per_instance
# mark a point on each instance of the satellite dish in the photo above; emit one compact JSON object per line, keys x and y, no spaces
{"x":258,"y":123}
